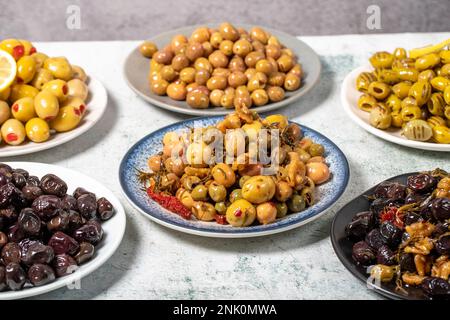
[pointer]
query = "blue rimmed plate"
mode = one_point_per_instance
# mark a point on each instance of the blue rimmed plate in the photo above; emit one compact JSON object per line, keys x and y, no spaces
{"x":136,"y":158}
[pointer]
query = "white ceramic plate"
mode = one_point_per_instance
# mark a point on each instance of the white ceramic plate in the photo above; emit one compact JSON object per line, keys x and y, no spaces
{"x":349,"y":99}
{"x":114,"y":228}
{"x":96,"y":106}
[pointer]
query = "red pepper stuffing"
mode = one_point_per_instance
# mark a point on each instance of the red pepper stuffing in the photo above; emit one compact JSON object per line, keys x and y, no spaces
{"x":12,"y":137}
{"x":18,"y":52}
{"x":238,"y":213}
{"x":221,"y":219}
{"x":15,"y":107}
{"x":33,"y":50}
{"x":171,"y":203}
{"x":77,"y":111}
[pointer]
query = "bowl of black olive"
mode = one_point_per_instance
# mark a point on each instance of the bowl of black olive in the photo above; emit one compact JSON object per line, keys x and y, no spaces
{"x":396,"y":236}
{"x":56,"y":226}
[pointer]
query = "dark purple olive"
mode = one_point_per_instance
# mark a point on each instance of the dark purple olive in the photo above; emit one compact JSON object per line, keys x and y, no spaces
{"x":375,"y":240}
{"x":18,"y":200}
{"x":2,"y":278}
{"x":75,"y":220}
{"x":22,"y":172}
{"x":391,"y":234}
{"x":6,"y":194}
{"x":37,"y":253}
{"x":385,"y":256}
{"x":415,"y":198}
{"x":81,"y":191}
{"x":4,"y":179}
{"x":421,"y":183}
{"x":31,"y":192}
{"x":362,"y":253}
{"x":11,"y":253}
{"x":5,"y":169}
{"x":406,"y":262}
{"x":64,"y":264}
{"x":411,"y":217}
{"x":62,"y":243}
{"x":59,"y":222}
{"x":15,"y":276}
{"x":105,"y":209}
{"x":382,"y":189}
{"x":360,"y":226}
{"x":87,"y":205}
{"x":29,"y":222}
{"x":33,"y":181}
{"x":27,"y":242}
{"x":15,"y":233}
{"x":390,"y":190}
{"x":53,"y":185}
{"x":8,"y":215}
{"x":378,"y":205}
{"x":19,"y":180}
{"x":46,"y":206}
{"x":85,"y":253}
{"x":40,"y":274}
{"x":91,"y":232}
{"x":436,"y":287}
{"x":440,"y":208}
{"x":69,"y":203}
{"x":442,"y":245}
{"x":440,"y":229}
{"x":3,"y":239}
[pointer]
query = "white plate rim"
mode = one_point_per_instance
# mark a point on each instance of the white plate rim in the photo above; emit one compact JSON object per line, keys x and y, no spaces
{"x":348,"y":88}
{"x":98,"y":96}
{"x":88,"y":267}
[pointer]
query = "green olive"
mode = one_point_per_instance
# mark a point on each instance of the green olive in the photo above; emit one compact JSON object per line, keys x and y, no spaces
{"x":46,"y":105}
{"x":5,"y":112}
{"x":37,"y":130}
{"x":13,"y":132}
{"x":26,"y":68}
{"x":421,"y":92}
{"x":418,"y":130}
{"x":296,"y":203}
{"x":23,"y":109}
{"x":427,"y":61}
{"x":59,"y":67}
{"x":380,"y":117}
{"x":58,"y":88}
{"x":282,"y":209}
{"x":204,"y":211}
{"x":258,"y":189}
{"x":316,"y":150}
{"x":217,"y":192}
{"x":41,"y":77}
{"x":381,"y":60}
{"x":236,"y":194}
{"x":200,"y":193}
{"x":220,"y":207}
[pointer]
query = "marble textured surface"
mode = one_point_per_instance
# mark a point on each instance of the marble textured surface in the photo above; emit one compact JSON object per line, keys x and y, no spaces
{"x":45,"y":20}
{"x":156,"y":263}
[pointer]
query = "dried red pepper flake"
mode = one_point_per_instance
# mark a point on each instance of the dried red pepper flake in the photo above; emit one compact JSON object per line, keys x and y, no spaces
{"x":170,"y":203}
{"x":221,"y":219}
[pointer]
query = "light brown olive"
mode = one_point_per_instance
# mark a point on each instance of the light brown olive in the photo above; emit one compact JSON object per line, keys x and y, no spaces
{"x":227,"y":100}
{"x":159,"y":87}
{"x":216,"y":82}
{"x":218,"y":59}
{"x":215,"y":97}
{"x":275,"y":94}
{"x":177,"y":91}
{"x":203,"y":64}
{"x":297,"y":70}
{"x":202,"y":76}
{"x":192,"y":86}
{"x":242,"y":100}
{"x":228,"y":32}
{"x":292,"y":82}
{"x":187,"y":75}
{"x":203,"y":89}
{"x":249,"y":73}
{"x":200,"y":35}
{"x":197,"y":99}
{"x":253,"y":57}
{"x":163,"y":56}
{"x":258,"y":81}
{"x":274,"y":64}
{"x":216,"y":39}
{"x":221,"y":72}
{"x":237,"y":64}
{"x":258,"y":46}
{"x":260,"y":97}
{"x":285,"y":63}
{"x":226,"y":47}
{"x":273,"y":51}
{"x":236,"y":79}
{"x":207,"y":49}
{"x":179,"y":62}
{"x":264,"y":66}
{"x":241,"y":90}
{"x":277,"y":79}
{"x":242,"y":48}
{"x":194,"y":50}
{"x":148,"y":49}
{"x":257,"y":33}
{"x":178,"y":43}
{"x":168,"y":73}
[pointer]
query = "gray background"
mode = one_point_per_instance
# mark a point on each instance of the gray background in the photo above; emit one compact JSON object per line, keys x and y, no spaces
{"x":140,"y":19}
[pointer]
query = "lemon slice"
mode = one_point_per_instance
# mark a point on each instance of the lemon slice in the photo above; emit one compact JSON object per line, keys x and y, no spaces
{"x":7,"y":70}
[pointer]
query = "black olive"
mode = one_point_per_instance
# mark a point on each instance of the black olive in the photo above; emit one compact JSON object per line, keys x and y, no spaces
{"x":37,"y":253}
{"x":4,"y":179}
{"x":361,"y":224}
{"x":379,"y":205}
{"x":406,"y":262}
{"x":81,"y":191}
{"x":31,"y":192}
{"x":59,"y":222}
{"x":375,"y":240}
{"x":19,"y":180}
{"x":390,"y":190}
{"x":440,"y":208}
{"x":421,"y":183}
{"x":415,"y":198}
{"x":85,"y":253}
{"x":53,"y":185}
{"x":15,"y":276}
{"x":33,"y":181}
{"x":436,"y":287}
{"x":87,"y":205}
{"x":440,"y":229}
{"x":105,"y":209}
{"x":442,"y":245}
{"x":385,"y":256}
{"x":75,"y":220}
{"x":91,"y":232}
{"x":11,"y":253}
{"x":362,"y":253}
{"x":69,"y":203}
{"x":391,"y":234}
{"x":411,"y":217}
{"x":6,"y":194}
{"x":46,"y":206}
{"x":2,"y":278}
{"x":19,"y":200}
{"x":40,"y":274}
{"x":64,"y":264}
{"x":29,"y":222}
{"x":5,"y":169}
{"x":15,"y":233}
{"x":62,"y":243}
{"x":22,"y":172}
